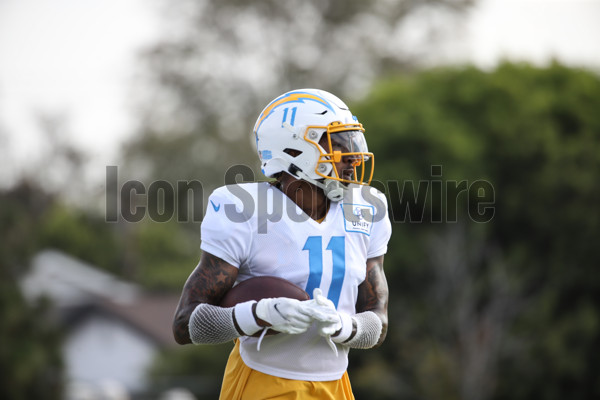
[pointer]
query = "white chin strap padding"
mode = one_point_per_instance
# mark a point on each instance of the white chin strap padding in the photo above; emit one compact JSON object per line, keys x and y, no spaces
{"x":334,"y":190}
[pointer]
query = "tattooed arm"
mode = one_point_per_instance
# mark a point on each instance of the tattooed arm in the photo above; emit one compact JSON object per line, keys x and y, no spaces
{"x":373,"y":294}
{"x":209,"y":282}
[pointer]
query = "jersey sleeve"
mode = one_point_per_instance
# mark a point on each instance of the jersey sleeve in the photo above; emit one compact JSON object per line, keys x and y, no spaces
{"x":225,"y":231}
{"x":382,"y":228}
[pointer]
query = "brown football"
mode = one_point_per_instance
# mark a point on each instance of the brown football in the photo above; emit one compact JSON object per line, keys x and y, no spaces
{"x":263,"y":287}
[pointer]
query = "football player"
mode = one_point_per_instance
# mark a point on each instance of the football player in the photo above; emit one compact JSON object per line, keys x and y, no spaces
{"x":317,"y":224}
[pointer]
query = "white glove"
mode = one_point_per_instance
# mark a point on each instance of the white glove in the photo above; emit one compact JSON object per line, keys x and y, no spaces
{"x":285,"y":315}
{"x":323,"y":310}
{"x":329,"y":321}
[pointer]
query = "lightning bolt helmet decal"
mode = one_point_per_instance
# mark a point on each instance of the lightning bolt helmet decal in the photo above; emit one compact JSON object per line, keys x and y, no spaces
{"x":290,"y":97}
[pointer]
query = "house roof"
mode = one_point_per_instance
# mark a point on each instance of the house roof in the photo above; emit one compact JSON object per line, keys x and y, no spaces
{"x":69,"y":281}
{"x":78,"y":291}
{"x":151,"y":314}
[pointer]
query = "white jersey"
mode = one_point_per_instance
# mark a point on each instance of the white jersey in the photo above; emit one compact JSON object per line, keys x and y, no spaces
{"x":258,"y":229}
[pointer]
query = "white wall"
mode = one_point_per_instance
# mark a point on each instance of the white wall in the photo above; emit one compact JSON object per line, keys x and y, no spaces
{"x":106,"y":349}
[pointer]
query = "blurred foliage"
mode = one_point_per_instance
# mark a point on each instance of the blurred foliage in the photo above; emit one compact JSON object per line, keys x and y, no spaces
{"x":30,"y":361}
{"x":166,"y":255}
{"x":82,"y":235}
{"x":507,"y":308}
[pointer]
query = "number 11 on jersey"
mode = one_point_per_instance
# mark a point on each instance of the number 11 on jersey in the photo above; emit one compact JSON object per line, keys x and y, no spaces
{"x":337,"y":246}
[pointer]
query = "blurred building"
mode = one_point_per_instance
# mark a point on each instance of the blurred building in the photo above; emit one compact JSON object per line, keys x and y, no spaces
{"x":112,"y":329}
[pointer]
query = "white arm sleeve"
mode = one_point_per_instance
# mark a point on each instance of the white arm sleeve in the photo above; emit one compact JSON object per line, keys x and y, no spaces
{"x":213,"y":324}
{"x":368,"y":330}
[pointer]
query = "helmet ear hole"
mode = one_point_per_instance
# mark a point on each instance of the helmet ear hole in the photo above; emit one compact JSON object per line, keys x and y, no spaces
{"x":292,"y":152}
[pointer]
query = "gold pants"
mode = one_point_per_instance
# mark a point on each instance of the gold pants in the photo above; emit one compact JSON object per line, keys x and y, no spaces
{"x":241,"y":382}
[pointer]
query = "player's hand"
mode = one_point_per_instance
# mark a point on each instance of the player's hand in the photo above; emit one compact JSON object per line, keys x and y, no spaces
{"x":323,"y":311}
{"x":329,"y":320}
{"x":284,"y":315}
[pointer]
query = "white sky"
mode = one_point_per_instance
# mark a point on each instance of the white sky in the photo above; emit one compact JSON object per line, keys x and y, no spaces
{"x":535,"y":30}
{"x":76,"y":58}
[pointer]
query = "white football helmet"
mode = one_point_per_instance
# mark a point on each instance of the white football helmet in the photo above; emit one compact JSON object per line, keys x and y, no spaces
{"x":305,"y":133}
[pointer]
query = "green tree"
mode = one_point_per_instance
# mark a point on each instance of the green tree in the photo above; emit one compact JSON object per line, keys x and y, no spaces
{"x":505,"y":307}
{"x":165,"y":254}
{"x":30,"y":362}
{"x":83,"y":235}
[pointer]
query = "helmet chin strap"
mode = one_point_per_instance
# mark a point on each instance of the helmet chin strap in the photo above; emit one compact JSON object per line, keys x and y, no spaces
{"x":334,"y":190}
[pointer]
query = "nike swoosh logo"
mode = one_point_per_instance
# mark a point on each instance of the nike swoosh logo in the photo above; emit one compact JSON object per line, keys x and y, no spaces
{"x":279,"y":312}
{"x":216,"y":207}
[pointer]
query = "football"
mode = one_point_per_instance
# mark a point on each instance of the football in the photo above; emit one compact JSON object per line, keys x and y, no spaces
{"x":263,"y":287}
